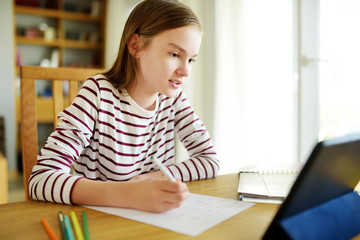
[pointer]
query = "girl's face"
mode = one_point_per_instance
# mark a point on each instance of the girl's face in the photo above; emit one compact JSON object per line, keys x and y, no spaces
{"x":166,"y":62}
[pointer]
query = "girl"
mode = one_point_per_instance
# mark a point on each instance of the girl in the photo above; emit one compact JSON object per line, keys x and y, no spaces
{"x":102,"y":151}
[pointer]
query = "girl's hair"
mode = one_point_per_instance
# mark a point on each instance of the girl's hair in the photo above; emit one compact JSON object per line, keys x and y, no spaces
{"x":148,"y":19}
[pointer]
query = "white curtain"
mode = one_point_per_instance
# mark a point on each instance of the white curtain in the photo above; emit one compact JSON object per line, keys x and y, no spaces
{"x":255,"y":88}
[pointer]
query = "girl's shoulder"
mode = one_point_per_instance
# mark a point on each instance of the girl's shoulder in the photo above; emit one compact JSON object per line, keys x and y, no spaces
{"x":99,"y":83}
{"x":100,"y":80}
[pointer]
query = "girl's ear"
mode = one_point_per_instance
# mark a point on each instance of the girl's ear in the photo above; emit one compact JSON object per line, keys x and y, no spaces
{"x":134,"y":44}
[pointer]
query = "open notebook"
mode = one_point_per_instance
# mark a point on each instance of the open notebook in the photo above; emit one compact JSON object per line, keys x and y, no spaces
{"x":266,"y":184}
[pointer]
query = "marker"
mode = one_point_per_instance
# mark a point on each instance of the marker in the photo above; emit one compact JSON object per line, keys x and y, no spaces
{"x":69,"y":232}
{"x":62,"y":225}
{"x":48,"y":229}
{"x":78,"y":233}
{"x":85,"y":225}
{"x":163,"y":169}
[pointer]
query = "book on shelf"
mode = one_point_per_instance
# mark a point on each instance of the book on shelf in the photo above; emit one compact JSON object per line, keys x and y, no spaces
{"x":270,"y":185}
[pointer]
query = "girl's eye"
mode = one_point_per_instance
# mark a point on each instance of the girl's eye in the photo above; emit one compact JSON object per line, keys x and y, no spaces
{"x":174,"y":54}
{"x":191,"y":60}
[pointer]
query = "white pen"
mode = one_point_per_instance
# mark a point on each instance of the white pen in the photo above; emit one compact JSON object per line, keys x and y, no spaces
{"x":163,"y":169}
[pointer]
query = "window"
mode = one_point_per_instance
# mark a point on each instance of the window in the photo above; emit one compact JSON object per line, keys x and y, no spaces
{"x":255,"y":92}
{"x":285,"y":77}
{"x":339,"y":76}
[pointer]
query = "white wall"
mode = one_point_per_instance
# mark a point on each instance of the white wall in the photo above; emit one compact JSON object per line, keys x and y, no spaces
{"x":117,"y":13}
{"x":7,"y":91}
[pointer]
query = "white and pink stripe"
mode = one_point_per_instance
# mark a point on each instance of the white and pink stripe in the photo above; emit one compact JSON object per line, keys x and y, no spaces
{"x":104,"y":135}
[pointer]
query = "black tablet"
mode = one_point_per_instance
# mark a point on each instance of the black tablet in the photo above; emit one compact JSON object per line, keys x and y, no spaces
{"x":332,"y":170}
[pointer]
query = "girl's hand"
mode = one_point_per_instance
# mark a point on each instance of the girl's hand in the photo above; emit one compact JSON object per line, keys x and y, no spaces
{"x":157,"y":194}
{"x":150,"y":175}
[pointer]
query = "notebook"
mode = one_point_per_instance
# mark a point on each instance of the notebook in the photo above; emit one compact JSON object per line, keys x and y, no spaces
{"x":331,"y":171}
{"x":267,"y":184}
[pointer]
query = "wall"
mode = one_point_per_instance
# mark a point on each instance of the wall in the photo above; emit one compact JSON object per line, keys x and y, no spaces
{"x":7,"y":90}
{"x":117,"y":13}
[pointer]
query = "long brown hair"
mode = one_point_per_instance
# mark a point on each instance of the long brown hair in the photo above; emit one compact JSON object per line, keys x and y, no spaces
{"x":148,"y":19}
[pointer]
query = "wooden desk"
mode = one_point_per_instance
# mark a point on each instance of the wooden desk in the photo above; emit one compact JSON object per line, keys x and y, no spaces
{"x":22,"y":220}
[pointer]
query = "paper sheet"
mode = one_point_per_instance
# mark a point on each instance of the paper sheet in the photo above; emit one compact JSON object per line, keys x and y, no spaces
{"x":270,"y":185}
{"x":196,"y":215}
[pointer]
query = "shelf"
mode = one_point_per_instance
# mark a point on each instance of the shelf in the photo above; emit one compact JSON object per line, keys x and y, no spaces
{"x":44,"y":109}
{"x":37,"y":41}
{"x":79,"y":17}
{"x":37,"y":11}
{"x":58,"y":43}
{"x":57,"y":14}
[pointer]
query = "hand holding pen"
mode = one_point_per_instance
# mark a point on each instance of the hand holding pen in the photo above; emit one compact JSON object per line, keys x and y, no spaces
{"x":154,"y":193}
{"x":163,"y":169}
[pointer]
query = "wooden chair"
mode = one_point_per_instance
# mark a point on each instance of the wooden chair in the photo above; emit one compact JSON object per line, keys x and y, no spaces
{"x":29,"y":134}
{"x":4,"y":189}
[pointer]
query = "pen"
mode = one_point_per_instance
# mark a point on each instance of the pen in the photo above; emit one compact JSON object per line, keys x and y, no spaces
{"x":163,"y":169}
{"x":78,"y":233}
{"x":48,"y":229}
{"x":85,"y":225}
{"x":62,"y":225}
{"x":69,"y":232}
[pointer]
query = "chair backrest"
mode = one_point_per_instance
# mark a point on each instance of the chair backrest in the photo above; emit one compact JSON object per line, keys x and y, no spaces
{"x":29,"y":133}
{"x":4,"y":189}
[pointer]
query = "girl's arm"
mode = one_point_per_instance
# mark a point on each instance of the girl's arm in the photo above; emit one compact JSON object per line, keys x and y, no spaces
{"x":153,"y":195}
{"x":51,"y":179}
{"x":202,"y":162}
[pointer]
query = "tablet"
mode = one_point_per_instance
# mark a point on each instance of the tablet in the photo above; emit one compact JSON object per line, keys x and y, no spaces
{"x":332,"y":170}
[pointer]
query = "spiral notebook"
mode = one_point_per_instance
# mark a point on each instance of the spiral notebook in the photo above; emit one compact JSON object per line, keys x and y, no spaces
{"x":270,"y":185}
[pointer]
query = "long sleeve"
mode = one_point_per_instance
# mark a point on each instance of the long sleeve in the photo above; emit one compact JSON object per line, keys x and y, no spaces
{"x":51,"y":179}
{"x":202,"y":162}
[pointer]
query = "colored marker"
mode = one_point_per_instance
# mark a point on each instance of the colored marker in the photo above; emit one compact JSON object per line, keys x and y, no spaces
{"x":78,"y":233}
{"x":163,"y":169}
{"x":85,"y":225}
{"x":62,"y":225}
{"x":48,"y":229}
{"x":69,"y":232}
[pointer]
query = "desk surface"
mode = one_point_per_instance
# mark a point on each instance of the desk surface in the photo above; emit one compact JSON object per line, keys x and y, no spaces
{"x":22,"y":220}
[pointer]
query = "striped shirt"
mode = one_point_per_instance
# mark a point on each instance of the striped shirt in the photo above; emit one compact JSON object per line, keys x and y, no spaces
{"x":104,"y":135}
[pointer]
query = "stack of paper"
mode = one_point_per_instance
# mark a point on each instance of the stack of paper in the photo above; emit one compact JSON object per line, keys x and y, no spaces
{"x":266,"y":185}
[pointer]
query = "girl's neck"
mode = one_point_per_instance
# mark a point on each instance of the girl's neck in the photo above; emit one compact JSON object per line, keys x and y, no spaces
{"x":143,"y":99}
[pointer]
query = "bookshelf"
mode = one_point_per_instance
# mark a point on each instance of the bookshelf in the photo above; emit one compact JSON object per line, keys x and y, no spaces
{"x":65,"y":32}
{"x":56,"y":33}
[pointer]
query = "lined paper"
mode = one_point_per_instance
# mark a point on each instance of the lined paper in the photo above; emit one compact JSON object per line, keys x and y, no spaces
{"x":196,"y":215}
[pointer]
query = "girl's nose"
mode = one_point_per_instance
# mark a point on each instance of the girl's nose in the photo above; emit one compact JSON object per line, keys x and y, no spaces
{"x":184,"y":69}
